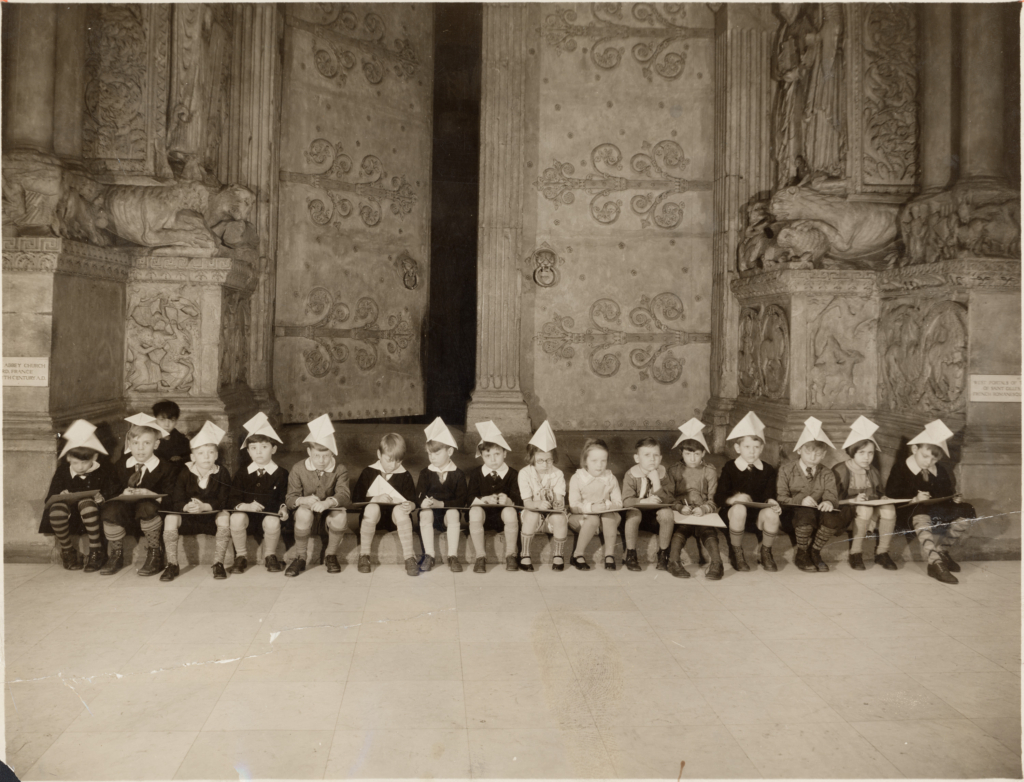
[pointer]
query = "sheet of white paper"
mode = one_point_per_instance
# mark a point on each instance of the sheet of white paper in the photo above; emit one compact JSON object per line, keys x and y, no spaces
{"x":707,"y":520}
{"x":381,"y":486}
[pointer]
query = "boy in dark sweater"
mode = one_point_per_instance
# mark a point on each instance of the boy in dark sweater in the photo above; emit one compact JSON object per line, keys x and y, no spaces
{"x":922,"y":477}
{"x":442,"y":485}
{"x":748,"y":479}
{"x":258,"y":491}
{"x":139,"y":471}
{"x":386,"y":480}
{"x":492,"y":488}
{"x":81,"y":472}
{"x":175,"y":448}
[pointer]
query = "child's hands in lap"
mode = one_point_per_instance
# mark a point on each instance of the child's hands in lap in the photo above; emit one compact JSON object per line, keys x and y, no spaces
{"x":809,"y":502}
{"x":697,"y":511}
{"x":774,"y":505}
{"x":825,"y":507}
{"x":503,"y":499}
{"x":320,"y":506}
{"x":741,"y":497}
{"x":407,"y":506}
{"x":923,"y":495}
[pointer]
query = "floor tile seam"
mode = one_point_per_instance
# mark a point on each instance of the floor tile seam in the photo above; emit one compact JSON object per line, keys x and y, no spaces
{"x":1015,"y":750}
{"x":938,"y":693}
{"x":743,"y":749}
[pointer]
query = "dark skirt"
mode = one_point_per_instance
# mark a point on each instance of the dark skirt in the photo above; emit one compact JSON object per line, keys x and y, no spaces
{"x":197,"y":524}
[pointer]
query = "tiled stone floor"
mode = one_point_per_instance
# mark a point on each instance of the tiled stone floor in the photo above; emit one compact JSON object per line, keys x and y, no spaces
{"x":597,"y":674}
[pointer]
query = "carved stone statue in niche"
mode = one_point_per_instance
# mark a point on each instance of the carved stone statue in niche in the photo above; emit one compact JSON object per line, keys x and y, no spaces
{"x":789,"y":63}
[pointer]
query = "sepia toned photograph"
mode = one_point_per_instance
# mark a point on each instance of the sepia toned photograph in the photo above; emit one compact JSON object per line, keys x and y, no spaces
{"x":539,"y":390}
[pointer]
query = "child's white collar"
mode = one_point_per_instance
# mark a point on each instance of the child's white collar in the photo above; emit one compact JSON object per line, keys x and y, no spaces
{"x":329,"y":468}
{"x":380,"y":468}
{"x":916,"y":468}
{"x":191,"y":466}
{"x":586,"y":477}
{"x":742,"y":464}
{"x":150,"y":464}
{"x":92,"y":468}
{"x":450,"y":467}
{"x":502,"y":471}
{"x":638,"y":472}
{"x":271,"y":468}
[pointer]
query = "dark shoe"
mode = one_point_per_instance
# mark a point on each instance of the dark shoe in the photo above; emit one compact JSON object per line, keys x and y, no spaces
{"x":940,"y":572}
{"x":767,"y":560}
{"x":426,"y":564}
{"x":295,"y":567}
{"x":580,"y":563}
{"x":273,"y":564}
{"x":715,"y":571}
{"x":662,"y":559}
{"x":857,"y":561}
{"x":947,"y":560}
{"x":239,"y":565}
{"x":69,"y":559}
{"x":170,"y":573}
{"x":676,"y":569}
{"x":526,"y":564}
{"x":885,"y":561}
{"x":512,"y":563}
{"x":454,"y":565}
{"x":114,"y":563}
{"x":332,"y":564}
{"x":737,"y":560}
{"x":97,"y":558}
{"x":154,"y":562}
{"x":819,"y":564}
{"x":558,"y":567}
{"x":412,"y":567}
{"x":480,"y":566}
{"x":219,"y":572}
{"x":364,"y":563}
{"x":609,"y":563}
{"x":803,"y":561}
{"x":631,"y":561}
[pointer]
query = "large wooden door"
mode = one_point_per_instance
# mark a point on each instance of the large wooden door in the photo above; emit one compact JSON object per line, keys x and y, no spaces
{"x":354,"y":215}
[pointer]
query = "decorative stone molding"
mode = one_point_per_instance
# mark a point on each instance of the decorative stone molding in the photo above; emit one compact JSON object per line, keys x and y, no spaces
{"x":60,"y":256}
{"x":229,"y":272}
{"x":972,"y":273}
{"x":774,"y":283}
{"x":764,"y":352}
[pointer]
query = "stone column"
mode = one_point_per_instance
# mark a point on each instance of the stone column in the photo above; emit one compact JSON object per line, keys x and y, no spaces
{"x":29,"y":47}
{"x":938,"y":165}
{"x":497,"y":395}
{"x":981,"y":93}
{"x":743,"y":40}
{"x":69,"y":85}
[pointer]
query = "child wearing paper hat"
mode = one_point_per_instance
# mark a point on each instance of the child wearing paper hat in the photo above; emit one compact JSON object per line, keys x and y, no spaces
{"x":199,"y":501}
{"x":858,"y":479}
{"x":694,"y":483}
{"x":747,"y":479}
{"x":542,"y":488}
{"x":79,"y":470}
{"x":921,"y":477}
{"x":440,"y":491}
{"x":647,"y":482}
{"x":138,"y":471}
{"x":493,"y":487}
{"x":318,"y":492}
{"x":806,"y":482}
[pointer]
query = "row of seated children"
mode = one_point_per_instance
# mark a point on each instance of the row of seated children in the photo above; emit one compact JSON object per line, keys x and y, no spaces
{"x":203,"y":501}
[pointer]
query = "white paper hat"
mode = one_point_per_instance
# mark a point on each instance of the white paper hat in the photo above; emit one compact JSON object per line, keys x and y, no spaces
{"x":81,"y":434}
{"x":862,"y":429}
{"x":748,"y":426}
{"x":321,"y":432}
{"x":259,"y":424}
{"x":935,"y":433}
{"x":692,"y":430}
{"x":438,"y":433}
{"x":142,"y":419}
{"x":210,"y":434}
{"x":490,"y":433}
{"x":544,"y":438}
{"x":812,"y":431}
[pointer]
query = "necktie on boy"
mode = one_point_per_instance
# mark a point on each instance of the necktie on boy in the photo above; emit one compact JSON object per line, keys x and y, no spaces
{"x":136,"y":478}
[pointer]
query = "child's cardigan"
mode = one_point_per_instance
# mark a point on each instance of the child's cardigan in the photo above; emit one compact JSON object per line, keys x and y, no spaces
{"x":585,"y":490}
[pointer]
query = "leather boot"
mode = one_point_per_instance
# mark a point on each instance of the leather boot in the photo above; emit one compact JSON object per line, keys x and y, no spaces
{"x":631,"y":561}
{"x":940,"y":572}
{"x":170,"y":573}
{"x":662,"y":559}
{"x":819,"y":563}
{"x":97,"y":558}
{"x":767,"y":560}
{"x":737,"y":560}
{"x":69,"y":559}
{"x":803,"y":561}
{"x":947,"y":560}
{"x":116,"y":560}
{"x":857,"y":561}
{"x":885,"y":561}
{"x":154,"y":562}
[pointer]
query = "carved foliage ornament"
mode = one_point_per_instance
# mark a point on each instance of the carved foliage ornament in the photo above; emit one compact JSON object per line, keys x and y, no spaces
{"x":160,"y":336}
{"x":336,"y":180}
{"x":655,"y":341}
{"x":331,"y":337}
{"x":923,"y":350}
{"x":764,"y":352}
{"x":840,"y":334}
{"x":659,"y":29}
{"x":654,"y":167}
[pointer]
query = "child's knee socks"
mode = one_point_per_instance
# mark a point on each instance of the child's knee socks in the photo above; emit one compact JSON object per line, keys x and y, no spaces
{"x":91,"y":521}
{"x":476,"y":533}
{"x":271,"y":536}
{"x":60,"y":520}
{"x":427,"y":533}
{"x":335,"y":532}
{"x":151,"y":529}
{"x":239,"y":532}
{"x":452,"y":534}
{"x":171,"y":544}
{"x":220,"y":542}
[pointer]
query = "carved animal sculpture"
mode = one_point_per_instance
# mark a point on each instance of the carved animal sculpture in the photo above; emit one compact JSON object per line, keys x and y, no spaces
{"x":993,"y":230}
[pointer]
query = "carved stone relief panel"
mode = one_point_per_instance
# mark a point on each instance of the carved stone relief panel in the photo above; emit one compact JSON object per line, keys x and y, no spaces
{"x":161,"y":335}
{"x":234,"y":338}
{"x":922,"y":345}
{"x":764,"y":352}
{"x":841,"y":348}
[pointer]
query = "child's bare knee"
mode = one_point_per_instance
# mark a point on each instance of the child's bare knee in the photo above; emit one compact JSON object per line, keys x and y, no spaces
{"x":337,"y":520}
{"x":451,"y":519}
{"x":172,"y":521}
{"x":271,"y":524}
{"x":239,"y":521}
{"x":222,"y":521}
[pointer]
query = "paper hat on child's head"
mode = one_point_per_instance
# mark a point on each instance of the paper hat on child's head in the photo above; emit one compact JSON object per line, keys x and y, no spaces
{"x":143,"y":419}
{"x":437,"y":432}
{"x":81,"y":434}
{"x":935,"y":433}
{"x":691,"y":430}
{"x":321,"y":432}
{"x":544,"y":438}
{"x":210,"y":434}
{"x":490,"y":433}
{"x":862,"y":429}
{"x":812,"y":431}
{"x":259,"y":424}
{"x":749,"y":426}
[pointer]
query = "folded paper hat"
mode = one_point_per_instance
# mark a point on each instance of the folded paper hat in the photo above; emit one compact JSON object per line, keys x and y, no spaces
{"x":862,"y":429}
{"x":490,"y":433}
{"x":692,"y":430}
{"x":812,"y":431}
{"x":321,"y":432}
{"x":544,"y":438}
{"x":210,"y":434}
{"x":142,"y":419}
{"x":81,"y":434}
{"x":437,"y":432}
{"x":259,"y":424}
{"x":749,"y":426}
{"x":935,"y":433}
